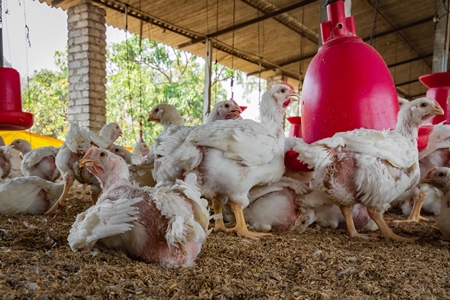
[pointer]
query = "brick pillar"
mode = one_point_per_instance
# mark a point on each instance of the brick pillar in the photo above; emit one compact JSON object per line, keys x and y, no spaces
{"x":87,"y":65}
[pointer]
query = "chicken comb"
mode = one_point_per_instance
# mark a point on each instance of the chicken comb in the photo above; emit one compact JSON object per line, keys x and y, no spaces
{"x":288,"y":84}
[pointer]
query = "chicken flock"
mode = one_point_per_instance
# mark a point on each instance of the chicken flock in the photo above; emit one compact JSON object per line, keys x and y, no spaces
{"x":159,"y":203}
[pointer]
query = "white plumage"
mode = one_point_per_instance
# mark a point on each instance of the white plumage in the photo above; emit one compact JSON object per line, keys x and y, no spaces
{"x":165,"y":225}
{"x":230,"y":157}
{"x":77,"y":142}
{"x":440,"y":178}
{"x":10,"y":161}
{"x":39,"y":161}
{"x":31,"y":194}
{"x":368,"y":166}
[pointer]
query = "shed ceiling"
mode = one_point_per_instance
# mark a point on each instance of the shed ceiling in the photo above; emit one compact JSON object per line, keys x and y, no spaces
{"x":262,"y":37}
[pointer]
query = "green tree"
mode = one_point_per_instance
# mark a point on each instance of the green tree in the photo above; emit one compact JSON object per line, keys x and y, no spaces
{"x":46,"y":96}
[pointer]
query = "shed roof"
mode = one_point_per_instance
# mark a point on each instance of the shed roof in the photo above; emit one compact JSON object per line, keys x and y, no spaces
{"x":262,"y":37}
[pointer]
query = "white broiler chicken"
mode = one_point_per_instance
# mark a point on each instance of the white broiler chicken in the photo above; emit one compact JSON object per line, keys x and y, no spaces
{"x":424,"y":197}
{"x":77,"y":142}
{"x":111,"y":131}
{"x":28,"y":195}
{"x":370,"y":167}
{"x":173,"y":129}
{"x":439,"y":178}
{"x":140,"y":150}
{"x":165,"y":225}
{"x":230,"y":157}
{"x":290,"y":205}
{"x":139,"y":173}
{"x":39,"y":161}
{"x":10,"y":161}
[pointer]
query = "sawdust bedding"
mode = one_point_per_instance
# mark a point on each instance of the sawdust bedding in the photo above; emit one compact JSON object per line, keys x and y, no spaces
{"x":37,"y":263}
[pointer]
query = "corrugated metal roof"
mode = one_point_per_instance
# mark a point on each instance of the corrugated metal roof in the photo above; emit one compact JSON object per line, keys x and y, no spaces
{"x":403,"y":32}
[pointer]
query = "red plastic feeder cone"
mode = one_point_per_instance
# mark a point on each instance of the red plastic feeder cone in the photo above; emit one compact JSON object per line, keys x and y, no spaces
{"x":347,"y":84}
{"x":424,"y":136}
{"x":438,"y":89}
{"x":11,"y":115}
{"x":296,"y":126}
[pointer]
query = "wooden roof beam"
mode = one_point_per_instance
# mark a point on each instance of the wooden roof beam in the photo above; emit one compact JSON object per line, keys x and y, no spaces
{"x":246,"y":23}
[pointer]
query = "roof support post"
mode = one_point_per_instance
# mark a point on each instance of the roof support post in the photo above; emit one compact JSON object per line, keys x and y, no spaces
{"x":208,"y":72}
{"x":440,"y":49}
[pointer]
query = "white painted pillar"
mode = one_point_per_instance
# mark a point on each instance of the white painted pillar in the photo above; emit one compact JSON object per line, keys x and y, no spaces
{"x":208,"y":72}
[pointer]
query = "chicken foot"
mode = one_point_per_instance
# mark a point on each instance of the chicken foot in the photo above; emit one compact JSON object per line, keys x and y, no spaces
{"x":385,"y":231}
{"x":68,"y":182}
{"x":241,"y":227}
{"x":347,"y":212}
{"x":415,"y":216}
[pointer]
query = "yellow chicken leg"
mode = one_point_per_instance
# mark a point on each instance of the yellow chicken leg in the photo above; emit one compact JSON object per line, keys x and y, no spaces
{"x":385,"y":231}
{"x":415,"y":216}
{"x":68,"y":182}
{"x":241,"y":227}
{"x":347,"y":212}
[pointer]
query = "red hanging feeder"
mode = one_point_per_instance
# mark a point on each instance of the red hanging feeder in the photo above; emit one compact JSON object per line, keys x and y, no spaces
{"x":347,"y":84}
{"x":11,"y":115}
{"x":438,"y":85}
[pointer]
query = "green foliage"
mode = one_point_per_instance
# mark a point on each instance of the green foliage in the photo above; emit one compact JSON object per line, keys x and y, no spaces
{"x":46,"y":96}
{"x":140,"y":74}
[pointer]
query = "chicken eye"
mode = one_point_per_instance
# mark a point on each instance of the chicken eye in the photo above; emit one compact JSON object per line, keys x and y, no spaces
{"x":423,"y":105}
{"x":116,"y":150}
{"x":283,"y":90}
{"x":227,"y":105}
{"x":156,"y":110}
{"x":441,"y":174}
{"x":102,"y":154}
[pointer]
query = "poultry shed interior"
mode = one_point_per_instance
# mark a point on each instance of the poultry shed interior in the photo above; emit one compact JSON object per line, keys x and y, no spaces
{"x":347,"y":198}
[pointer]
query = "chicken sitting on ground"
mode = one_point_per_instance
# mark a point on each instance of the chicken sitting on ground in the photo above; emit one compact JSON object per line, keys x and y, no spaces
{"x":165,"y":225}
{"x":230,"y":157}
{"x":440,"y":178}
{"x":78,"y":141}
{"x":39,"y":161}
{"x":369,"y":166}
{"x":10,"y":161}
{"x":290,"y":205}
{"x":28,"y":195}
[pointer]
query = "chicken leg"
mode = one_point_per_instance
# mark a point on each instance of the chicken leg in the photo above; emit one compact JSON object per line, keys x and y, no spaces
{"x":415,"y":216}
{"x":385,"y":231}
{"x":68,"y":182}
{"x":241,"y":227}
{"x":219,"y":225}
{"x":347,"y":212}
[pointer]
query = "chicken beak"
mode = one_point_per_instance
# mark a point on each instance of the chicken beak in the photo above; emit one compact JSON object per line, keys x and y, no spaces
{"x":437,"y":110}
{"x":86,"y":160}
{"x":294,"y":96}
{"x":150,"y":118}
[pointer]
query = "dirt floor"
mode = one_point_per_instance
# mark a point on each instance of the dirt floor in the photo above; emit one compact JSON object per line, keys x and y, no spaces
{"x":37,"y":263}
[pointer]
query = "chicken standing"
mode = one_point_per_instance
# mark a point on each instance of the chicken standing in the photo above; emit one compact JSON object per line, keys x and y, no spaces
{"x":31,"y":194}
{"x":173,"y":129}
{"x":39,"y":161}
{"x":165,"y":225}
{"x":78,"y":141}
{"x":369,"y":166}
{"x":230,"y":157}
{"x":440,"y":178}
{"x":436,"y":154}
